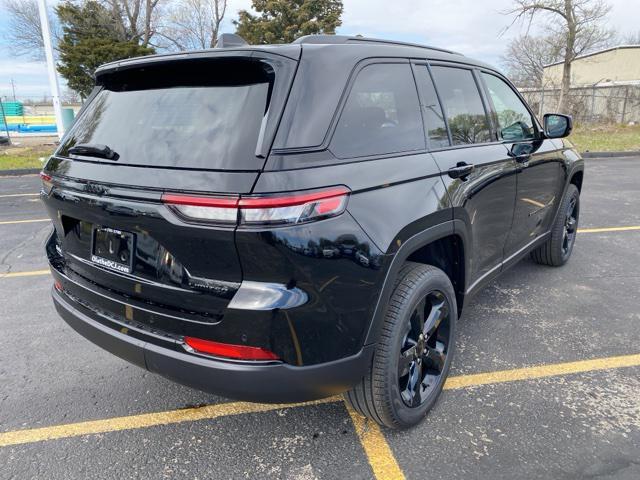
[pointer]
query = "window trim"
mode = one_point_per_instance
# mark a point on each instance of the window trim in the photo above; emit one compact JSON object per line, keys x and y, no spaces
{"x":343,"y":101}
{"x":534,"y":118}
{"x":488,"y":105}
{"x":481,"y":93}
{"x":415,"y":65}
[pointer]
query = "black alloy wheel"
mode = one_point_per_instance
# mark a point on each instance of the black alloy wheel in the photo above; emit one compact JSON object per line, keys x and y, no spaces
{"x":424,"y":350}
{"x":556,"y":251}
{"x":570,"y":226}
{"x":414,"y":351}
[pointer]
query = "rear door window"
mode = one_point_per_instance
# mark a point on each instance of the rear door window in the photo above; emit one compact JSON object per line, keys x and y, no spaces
{"x":206,"y":116}
{"x":468,"y":121}
{"x":381,"y":114}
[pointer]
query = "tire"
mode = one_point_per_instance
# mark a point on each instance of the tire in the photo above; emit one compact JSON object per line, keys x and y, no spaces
{"x":384,"y":394}
{"x":556,"y":251}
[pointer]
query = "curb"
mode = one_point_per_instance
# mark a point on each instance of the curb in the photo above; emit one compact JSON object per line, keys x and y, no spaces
{"x":22,"y":171}
{"x":609,"y":154}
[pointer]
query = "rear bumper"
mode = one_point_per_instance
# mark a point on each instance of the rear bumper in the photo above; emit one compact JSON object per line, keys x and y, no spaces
{"x":258,"y":382}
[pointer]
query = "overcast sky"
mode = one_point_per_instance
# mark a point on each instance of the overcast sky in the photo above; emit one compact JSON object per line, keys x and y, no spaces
{"x":472,"y":27}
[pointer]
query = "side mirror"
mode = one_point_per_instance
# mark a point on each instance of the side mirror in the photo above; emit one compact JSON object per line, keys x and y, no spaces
{"x":557,"y":125}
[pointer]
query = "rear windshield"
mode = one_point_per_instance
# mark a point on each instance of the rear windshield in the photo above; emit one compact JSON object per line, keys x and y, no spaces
{"x":198,"y":115}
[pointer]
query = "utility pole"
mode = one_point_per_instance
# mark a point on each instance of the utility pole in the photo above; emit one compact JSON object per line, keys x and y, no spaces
{"x":51,"y":67}
{"x":13,"y":88}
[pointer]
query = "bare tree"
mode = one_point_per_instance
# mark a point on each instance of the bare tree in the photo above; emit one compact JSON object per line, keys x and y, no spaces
{"x":25,"y":32}
{"x":631,"y":38}
{"x":194,"y":24}
{"x":526,"y":57}
{"x":578,"y":23}
{"x":135,"y":19}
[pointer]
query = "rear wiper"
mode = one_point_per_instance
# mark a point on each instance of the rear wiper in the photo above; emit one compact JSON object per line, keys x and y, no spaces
{"x":94,"y":150}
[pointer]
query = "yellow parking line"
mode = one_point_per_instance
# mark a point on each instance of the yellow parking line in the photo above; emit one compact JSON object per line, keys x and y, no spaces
{"x":20,"y":195}
{"x":381,"y":458}
{"x":12,"y":222}
{"x":45,"y":272}
{"x":145,"y":420}
{"x":608,"y":229}
{"x":32,"y":273}
{"x":236,"y":408}
{"x":541,"y":371}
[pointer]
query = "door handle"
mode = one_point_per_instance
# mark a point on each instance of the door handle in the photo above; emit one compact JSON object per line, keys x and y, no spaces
{"x":461,"y":170}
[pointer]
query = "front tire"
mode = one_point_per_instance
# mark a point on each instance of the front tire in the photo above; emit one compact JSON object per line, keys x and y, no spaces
{"x":413,"y":355}
{"x":557,"y":250}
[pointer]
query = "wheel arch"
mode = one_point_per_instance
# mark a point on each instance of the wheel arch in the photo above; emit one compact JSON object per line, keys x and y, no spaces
{"x":443,"y":246}
{"x":574,"y":176}
{"x":576,"y":179}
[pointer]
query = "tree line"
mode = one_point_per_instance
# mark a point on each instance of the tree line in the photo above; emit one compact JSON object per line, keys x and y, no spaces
{"x":91,"y":32}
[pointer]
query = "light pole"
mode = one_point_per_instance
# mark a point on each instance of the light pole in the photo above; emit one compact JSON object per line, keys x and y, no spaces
{"x":51,"y":67}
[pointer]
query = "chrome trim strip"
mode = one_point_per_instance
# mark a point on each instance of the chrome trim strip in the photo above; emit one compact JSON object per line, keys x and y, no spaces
{"x":125,"y":304}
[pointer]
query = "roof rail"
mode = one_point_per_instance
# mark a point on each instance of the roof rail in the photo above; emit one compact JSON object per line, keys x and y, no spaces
{"x":341,"y":39}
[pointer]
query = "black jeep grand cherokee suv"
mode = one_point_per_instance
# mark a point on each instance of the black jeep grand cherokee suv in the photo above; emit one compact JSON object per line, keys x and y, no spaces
{"x":283,"y":223}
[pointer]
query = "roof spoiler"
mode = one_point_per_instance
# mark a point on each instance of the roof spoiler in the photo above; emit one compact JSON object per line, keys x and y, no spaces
{"x":230,"y":40}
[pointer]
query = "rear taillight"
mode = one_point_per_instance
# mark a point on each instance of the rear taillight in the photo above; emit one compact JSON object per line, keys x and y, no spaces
{"x":227,"y":350}
{"x":285,"y":208}
{"x":213,"y":209}
{"x":47,"y":183}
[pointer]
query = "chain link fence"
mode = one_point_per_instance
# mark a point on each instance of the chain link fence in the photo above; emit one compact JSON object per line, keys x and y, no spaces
{"x":595,"y":104}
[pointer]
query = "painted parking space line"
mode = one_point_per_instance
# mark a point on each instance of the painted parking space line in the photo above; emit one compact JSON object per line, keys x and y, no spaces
{"x":207,"y":412}
{"x":46,"y":272}
{"x":145,"y":420}
{"x":35,"y":220}
{"x":542,"y":371}
{"x":12,"y":195}
{"x":609,"y":229}
{"x":32,"y":273}
{"x":381,"y":459}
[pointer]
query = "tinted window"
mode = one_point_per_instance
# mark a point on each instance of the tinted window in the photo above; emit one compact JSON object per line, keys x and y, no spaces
{"x":178,"y":123}
{"x":463,"y":106}
{"x":514,"y":120}
{"x":432,"y":111}
{"x":381,"y":115}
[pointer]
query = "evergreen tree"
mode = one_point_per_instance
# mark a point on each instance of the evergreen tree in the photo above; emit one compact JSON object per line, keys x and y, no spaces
{"x":282,"y":21}
{"x":90,"y":38}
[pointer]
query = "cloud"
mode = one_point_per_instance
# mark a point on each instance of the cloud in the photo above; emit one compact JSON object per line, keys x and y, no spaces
{"x":477,"y":28}
{"x":472,"y":27}
{"x":30,"y":78}
{"x":15,"y":67}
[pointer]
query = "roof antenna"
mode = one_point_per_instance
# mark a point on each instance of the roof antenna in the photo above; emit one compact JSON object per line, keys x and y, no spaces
{"x":230,"y":40}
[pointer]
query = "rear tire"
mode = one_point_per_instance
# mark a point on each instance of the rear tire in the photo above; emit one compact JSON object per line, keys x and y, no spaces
{"x":413,"y":355}
{"x":556,"y":251}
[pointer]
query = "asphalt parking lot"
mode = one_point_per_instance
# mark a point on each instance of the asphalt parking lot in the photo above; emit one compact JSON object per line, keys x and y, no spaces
{"x":545,"y":383}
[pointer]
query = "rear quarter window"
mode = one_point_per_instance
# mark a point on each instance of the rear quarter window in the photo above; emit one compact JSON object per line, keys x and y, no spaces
{"x":381,"y":114}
